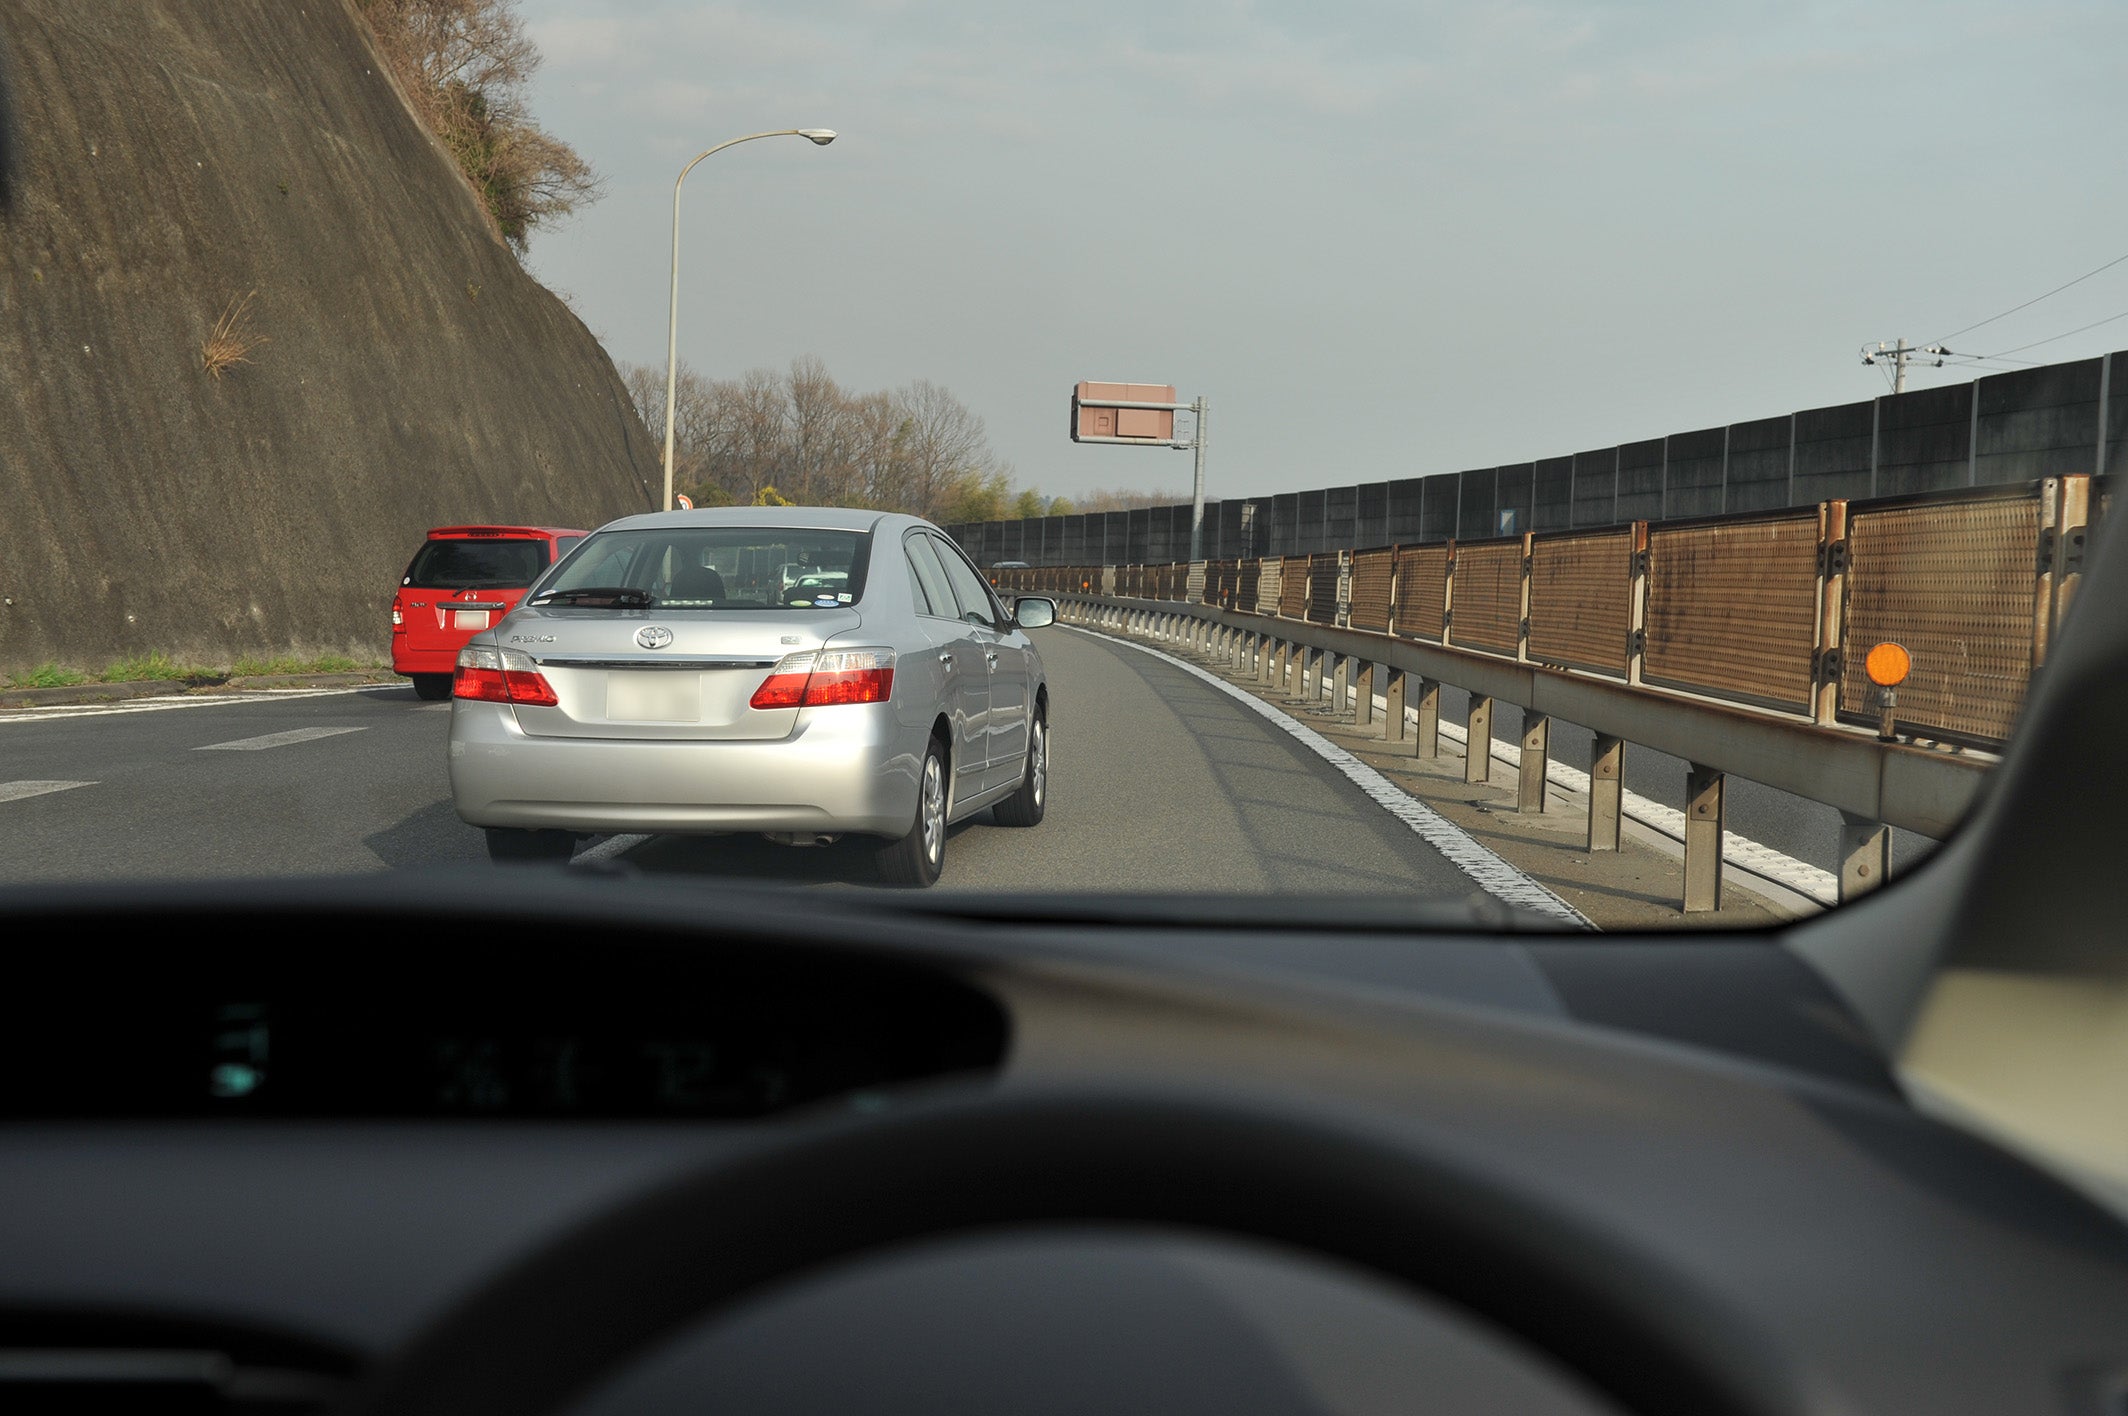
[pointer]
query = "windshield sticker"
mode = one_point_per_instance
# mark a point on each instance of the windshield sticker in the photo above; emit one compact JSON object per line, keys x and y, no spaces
{"x":825,"y":602}
{"x":843,"y":598}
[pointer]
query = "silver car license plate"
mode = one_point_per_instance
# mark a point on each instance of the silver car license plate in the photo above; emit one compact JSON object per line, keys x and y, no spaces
{"x":653,"y":698}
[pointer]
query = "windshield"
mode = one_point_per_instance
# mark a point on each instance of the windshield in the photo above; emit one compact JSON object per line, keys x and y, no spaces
{"x":751,"y":568}
{"x":477,"y":565}
{"x":1545,"y":469}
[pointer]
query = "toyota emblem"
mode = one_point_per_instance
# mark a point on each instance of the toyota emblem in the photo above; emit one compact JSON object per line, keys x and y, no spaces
{"x":653,"y":636}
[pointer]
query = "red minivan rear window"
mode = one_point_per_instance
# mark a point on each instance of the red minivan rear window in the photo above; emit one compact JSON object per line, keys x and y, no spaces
{"x":484,"y":564}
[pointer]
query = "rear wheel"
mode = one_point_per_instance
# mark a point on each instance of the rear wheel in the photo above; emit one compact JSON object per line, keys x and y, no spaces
{"x":431,"y":686}
{"x":1025,"y":806}
{"x":508,"y":846}
{"x":918,"y":858}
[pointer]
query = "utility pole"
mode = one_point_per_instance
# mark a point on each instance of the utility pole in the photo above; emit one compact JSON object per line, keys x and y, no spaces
{"x":1897,"y":354}
{"x":1196,"y":442}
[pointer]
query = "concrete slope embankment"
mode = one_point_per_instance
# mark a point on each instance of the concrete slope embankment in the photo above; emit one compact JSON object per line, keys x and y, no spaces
{"x":166,"y":159}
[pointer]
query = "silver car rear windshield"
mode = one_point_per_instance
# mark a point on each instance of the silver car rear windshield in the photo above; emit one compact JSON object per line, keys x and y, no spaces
{"x":716,"y":568}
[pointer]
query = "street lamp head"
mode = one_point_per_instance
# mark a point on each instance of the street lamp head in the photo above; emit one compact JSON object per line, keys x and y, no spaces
{"x":822,"y":136}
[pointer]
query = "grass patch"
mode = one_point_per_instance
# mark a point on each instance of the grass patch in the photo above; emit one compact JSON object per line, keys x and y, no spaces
{"x":154,"y":666}
{"x":48,"y":676}
{"x":231,"y":341}
{"x":158,"y":665}
{"x":288,"y":664}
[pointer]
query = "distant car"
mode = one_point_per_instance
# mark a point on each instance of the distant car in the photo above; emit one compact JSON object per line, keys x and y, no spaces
{"x":643,"y":686}
{"x":461,"y":581}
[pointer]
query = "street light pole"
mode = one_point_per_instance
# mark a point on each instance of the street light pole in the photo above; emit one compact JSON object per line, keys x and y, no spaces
{"x":820,"y":137}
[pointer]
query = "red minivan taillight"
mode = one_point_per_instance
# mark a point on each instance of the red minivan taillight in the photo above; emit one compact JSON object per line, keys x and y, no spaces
{"x":829,"y":677}
{"x":501,"y":676}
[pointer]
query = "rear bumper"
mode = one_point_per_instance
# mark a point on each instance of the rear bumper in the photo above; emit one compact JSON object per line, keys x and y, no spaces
{"x":424,"y":661}
{"x":844,"y":769}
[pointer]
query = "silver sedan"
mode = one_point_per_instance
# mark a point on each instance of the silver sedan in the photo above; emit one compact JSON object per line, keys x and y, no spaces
{"x":795,"y":671}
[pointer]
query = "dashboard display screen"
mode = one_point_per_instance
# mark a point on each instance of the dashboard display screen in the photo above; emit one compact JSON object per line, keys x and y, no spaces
{"x":469,"y":1033}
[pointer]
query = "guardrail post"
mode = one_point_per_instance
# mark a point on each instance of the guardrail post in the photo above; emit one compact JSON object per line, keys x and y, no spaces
{"x":1607,"y":771}
{"x":1363,"y":696}
{"x":2050,"y":557}
{"x":1703,"y":838}
{"x":1340,"y":680}
{"x":1637,"y":610}
{"x":1478,"y":740}
{"x":1832,"y":609}
{"x":1536,"y":756}
{"x":1522,"y":621}
{"x":1429,"y":735}
{"x":1311,"y":661}
{"x":1296,"y":668}
{"x":1865,"y":855}
{"x":2073,"y":524}
{"x":1393,"y":706}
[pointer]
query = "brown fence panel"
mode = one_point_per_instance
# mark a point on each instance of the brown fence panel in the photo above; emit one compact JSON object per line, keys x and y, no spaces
{"x":1956,"y":583}
{"x":1322,"y":587}
{"x":1372,"y":572}
{"x":1270,"y":585}
{"x":1488,"y":604}
{"x":1421,"y":590}
{"x":1293,"y":587}
{"x":1248,"y":583}
{"x":1733,"y":608}
{"x":1581,"y":599}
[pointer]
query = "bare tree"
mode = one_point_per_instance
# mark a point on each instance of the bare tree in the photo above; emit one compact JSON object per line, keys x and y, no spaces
{"x":944,"y":443}
{"x":465,"y":65}
{"x":802,"y":436}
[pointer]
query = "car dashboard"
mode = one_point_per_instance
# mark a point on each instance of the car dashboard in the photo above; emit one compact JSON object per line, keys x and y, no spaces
{"x":1030,"y":1156}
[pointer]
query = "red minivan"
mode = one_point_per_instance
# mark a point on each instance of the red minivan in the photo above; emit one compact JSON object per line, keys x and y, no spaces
{"x":463,"y":579}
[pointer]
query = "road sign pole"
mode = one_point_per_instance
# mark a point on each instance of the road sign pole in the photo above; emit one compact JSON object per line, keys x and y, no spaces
{"x":1197,"y":493}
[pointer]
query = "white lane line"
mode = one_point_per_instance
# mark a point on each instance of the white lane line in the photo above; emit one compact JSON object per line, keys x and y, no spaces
{"x":609,"y":848}
{"x":16,"y":791}
{"x":1493,"y":875}
{"x":269,"y":740}
{"x":166,"y":703}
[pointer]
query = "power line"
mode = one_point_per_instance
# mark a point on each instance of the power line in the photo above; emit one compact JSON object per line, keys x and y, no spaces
{"x":2123,"y":315}
{"x":2034,"y":300}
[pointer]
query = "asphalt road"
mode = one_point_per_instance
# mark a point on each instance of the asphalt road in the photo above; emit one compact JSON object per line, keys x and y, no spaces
{"x":1160,"y":783}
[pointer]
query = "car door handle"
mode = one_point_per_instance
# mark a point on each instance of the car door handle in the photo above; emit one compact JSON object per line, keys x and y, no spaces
{"x":991,"y":659}
{"x":946,"y":659}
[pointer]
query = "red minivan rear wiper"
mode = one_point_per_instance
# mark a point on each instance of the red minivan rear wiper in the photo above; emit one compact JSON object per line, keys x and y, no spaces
{"x":619,"y":597}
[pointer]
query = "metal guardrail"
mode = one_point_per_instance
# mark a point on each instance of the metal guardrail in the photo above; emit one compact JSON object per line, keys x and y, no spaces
{"x":1735,"y":643}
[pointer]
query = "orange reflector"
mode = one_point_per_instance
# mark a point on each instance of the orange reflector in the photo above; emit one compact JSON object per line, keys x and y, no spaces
{"x":1888,"y":664}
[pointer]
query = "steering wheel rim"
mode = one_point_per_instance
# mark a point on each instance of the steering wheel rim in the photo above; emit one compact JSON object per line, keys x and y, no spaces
{"x":833,"y":1191}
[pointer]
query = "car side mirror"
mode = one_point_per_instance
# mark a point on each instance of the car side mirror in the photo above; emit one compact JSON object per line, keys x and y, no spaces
{"x":1033,"y":611}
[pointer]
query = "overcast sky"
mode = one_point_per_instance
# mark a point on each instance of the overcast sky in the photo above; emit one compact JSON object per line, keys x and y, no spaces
{"x":1383,"y":239}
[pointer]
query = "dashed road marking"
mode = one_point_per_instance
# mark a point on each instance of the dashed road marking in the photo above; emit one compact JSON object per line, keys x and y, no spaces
{"x":16,"y":791}
{"x":609,"y":848}
{"x":271,"y":740}
{"x":1492,"y":874}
